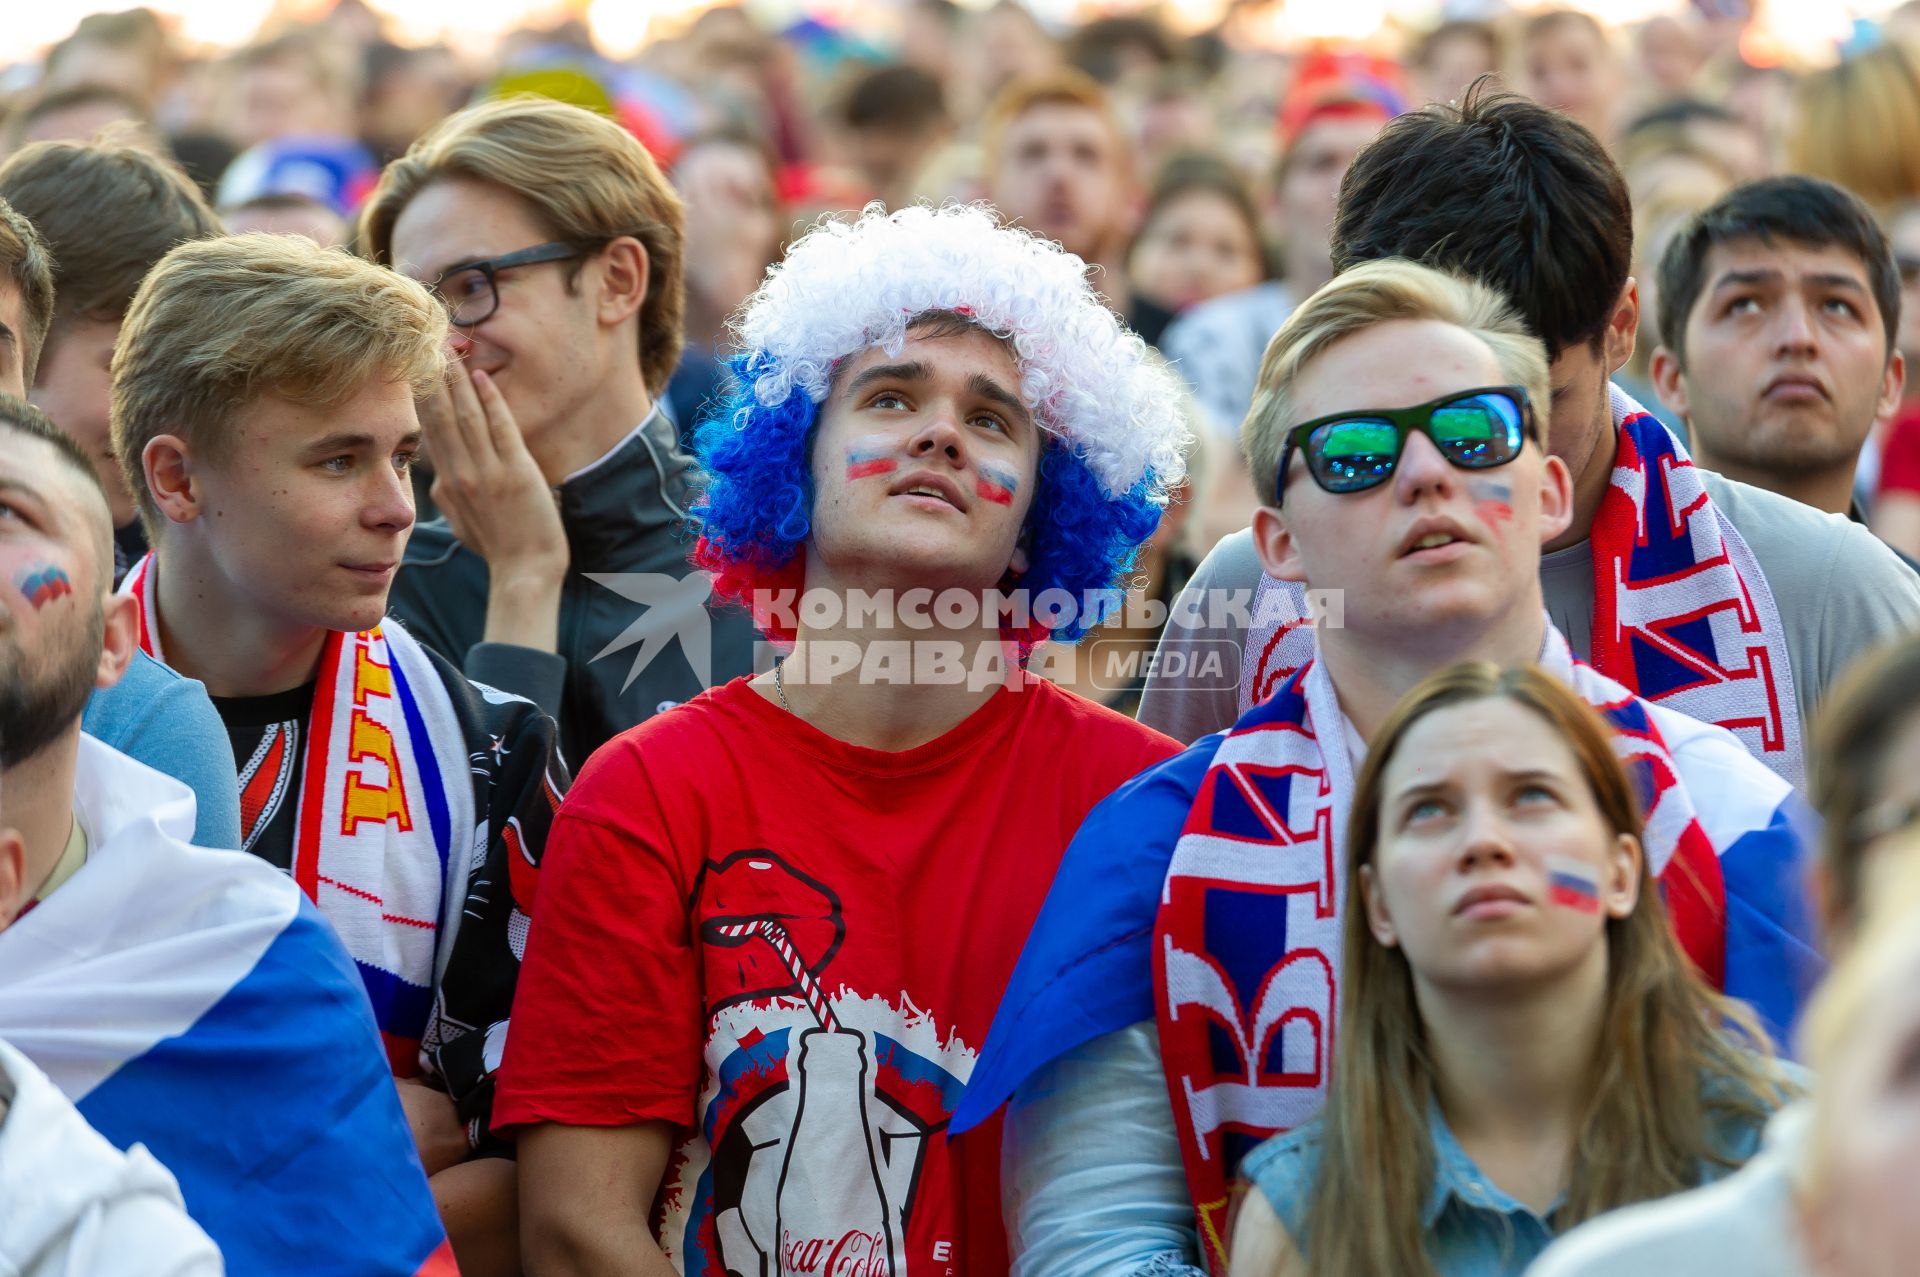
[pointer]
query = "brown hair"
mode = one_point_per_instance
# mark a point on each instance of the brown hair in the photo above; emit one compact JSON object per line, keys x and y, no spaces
{"x":1873,"y":701}
{"x":1857,"y":124}
{"x":587,"y":178}
{"x":220,"y":322}
{"x":108,"y":212}
{"x":26,"y":264}
{"x":1670,"y":1069}
{"x":1063,"y":86}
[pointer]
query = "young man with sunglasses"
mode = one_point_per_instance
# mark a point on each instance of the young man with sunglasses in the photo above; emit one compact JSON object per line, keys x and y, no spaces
{"x":1723,"y":601}
{"x":560,"y":569}
{"x":1190,"y":944}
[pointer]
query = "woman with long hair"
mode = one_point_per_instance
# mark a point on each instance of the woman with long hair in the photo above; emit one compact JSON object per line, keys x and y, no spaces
{"x":1520,"y":1044}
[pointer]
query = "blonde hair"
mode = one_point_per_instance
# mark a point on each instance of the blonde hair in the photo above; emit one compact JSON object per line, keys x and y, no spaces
{"x":1668,"y":1069}
{"x":1368,"y":295}
{"x":1858,"y":124}
{"x":1881,"y":958}
{"x":589,"y":180}
{"x":220,"y":322}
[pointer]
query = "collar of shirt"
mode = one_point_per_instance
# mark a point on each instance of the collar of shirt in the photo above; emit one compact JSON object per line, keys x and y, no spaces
{"x":1455,"y":1177}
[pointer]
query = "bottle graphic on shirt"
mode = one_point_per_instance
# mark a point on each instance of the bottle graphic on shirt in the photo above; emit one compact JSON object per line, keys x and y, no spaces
{"x":832,"y":1216}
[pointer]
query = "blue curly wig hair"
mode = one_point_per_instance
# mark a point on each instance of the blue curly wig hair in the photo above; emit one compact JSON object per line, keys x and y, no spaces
{"x":1114,"y":431}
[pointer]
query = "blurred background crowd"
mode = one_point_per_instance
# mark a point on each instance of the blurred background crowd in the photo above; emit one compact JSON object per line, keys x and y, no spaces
{"x":1191,"y":150}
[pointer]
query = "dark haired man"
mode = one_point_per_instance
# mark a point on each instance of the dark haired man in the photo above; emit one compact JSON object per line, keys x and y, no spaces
{"x":1700,"y":593}
{"x":1778,"y":309}
{"x":107,"y":213}
{"x":895,"y":118}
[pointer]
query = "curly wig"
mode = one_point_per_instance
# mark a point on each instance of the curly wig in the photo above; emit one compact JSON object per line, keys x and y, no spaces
{"x":1116,"y":436}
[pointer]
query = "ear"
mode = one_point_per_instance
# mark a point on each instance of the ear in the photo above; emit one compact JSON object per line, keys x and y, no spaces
{"x":1556,"y":498}
{"x":1279,"y":552}
{"x":1893,"y":385}
{"x":1379,"y":921}
{"x":1621,"y":890}
{"x":1669,"y":383}
{"x":13,"y":875}
{"x":122,"y":639}
{"x":168,"y":463}
{"x":1622,"y":327}
{"x":623,"y":280}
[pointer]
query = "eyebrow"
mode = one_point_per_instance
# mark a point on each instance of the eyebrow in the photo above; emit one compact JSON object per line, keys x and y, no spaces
{"x":992,"y":391}
{"x":914,"y":370}
{"x":348,"y":441}
{"x":1769,"y":275}
{"x":1425,"y":787}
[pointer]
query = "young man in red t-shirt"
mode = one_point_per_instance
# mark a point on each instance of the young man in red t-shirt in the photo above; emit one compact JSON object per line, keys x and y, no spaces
{"x":774,"y":923}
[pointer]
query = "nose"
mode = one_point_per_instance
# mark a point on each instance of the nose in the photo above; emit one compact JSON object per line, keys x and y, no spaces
{"x":389,"y":506}
{"x":1796,"y":333}
{"x":1423,"y":471}
{"x":459,"y":342}
{"x":938,"y":436}
{"x":1485,"y":841}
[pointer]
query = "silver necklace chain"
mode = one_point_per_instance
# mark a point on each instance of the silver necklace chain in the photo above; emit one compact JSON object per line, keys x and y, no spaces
{"x":780,"y":684}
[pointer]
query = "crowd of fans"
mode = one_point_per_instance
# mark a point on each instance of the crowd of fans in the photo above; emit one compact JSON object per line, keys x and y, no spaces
{"x":1090,"y":650}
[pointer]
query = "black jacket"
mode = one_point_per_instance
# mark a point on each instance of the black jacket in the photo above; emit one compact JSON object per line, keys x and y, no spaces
{"x":628,"y":614}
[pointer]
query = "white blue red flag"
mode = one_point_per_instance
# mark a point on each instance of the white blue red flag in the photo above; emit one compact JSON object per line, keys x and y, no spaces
{"x":194,"y":1001}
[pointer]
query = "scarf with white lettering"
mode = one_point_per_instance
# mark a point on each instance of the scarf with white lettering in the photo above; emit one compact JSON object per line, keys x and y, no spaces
{"x":1246,"y":943}
{"x":1682,"y":615}
{"x":384,"y":759}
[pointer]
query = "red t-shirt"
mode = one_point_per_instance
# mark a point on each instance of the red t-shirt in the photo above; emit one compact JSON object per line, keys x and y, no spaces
{"x":1900,"y":454}
{"x":792,"y":948}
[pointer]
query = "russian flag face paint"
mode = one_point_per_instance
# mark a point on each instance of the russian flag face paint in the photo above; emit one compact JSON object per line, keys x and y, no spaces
{"x":876,"y":455}
{"x":43,"y":584}
{"x":996,"y":485}
{"x":1492,"y":501}
{"x":1573,"y":885}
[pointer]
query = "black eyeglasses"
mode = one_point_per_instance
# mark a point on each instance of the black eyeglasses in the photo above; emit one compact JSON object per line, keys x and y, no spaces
{"x":471,"y":292}
{"x":1353,"y":451}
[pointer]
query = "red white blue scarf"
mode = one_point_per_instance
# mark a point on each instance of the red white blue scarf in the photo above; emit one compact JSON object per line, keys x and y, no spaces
{"x":1682,"y":614}
{"x":1253,"y":906}
{"x":383,"y":785}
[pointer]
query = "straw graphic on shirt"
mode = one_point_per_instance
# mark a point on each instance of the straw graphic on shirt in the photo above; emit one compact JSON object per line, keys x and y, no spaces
{"x":776,"y":935}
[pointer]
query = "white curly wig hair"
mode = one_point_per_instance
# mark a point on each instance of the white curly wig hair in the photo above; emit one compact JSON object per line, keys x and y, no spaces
{"x":846,"y":286}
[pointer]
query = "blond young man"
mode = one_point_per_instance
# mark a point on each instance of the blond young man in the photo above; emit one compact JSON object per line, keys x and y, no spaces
{"x":555,"y":245}
{"x":263,"y":406}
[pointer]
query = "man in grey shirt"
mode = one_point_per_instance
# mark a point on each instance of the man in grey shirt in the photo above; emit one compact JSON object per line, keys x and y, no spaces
{"x":1522,"y":198}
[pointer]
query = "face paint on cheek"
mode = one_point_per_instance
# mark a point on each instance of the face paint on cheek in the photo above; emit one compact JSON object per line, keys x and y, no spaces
{"x":42,"y":584}
{"x":868,"y":458}
{"x":1492,"y":501}
{"x":996,"y":485}
{"x":1573,"y":885}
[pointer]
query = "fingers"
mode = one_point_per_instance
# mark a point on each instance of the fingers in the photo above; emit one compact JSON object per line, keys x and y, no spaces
{"x":470,"y":419}
{"x":502,"y":430}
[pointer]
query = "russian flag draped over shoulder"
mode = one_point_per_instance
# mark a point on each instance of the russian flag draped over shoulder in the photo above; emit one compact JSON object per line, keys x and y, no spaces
{"x":194,"y":1001}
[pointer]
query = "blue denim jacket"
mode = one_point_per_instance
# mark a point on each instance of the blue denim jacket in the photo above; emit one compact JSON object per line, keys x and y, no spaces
{"x":1473,"y":1229}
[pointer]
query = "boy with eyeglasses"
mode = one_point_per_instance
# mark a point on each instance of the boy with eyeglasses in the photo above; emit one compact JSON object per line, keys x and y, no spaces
{"x":263,"y":410}
{"x":1190,"y":945}
{"x":560,"y":569}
